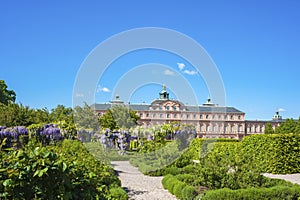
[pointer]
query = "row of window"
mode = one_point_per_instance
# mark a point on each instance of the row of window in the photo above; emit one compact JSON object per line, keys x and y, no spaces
{"x":166,"y":108}
{"x":188,"y":116}
{"x":215,"y":128}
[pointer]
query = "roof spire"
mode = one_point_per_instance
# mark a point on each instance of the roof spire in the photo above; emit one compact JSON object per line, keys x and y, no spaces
{"x":164,"y":95}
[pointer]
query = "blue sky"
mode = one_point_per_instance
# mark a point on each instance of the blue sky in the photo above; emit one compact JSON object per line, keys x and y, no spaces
{"x":255,"y":45}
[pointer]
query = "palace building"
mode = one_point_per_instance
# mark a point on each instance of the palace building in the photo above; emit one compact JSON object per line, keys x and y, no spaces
{"x":210,"y":120}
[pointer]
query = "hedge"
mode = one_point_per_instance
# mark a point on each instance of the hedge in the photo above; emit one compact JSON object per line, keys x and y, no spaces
{"x":276,"y":153}
{"x":180,"y":189}
{"x":274,"y":193}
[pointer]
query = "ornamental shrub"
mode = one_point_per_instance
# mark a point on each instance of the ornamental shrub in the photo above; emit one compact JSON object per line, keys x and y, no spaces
{"x":118,"y":193}
{"x":188,"y":193}
{"x":177,"y":189}
{"x":274,"y":193}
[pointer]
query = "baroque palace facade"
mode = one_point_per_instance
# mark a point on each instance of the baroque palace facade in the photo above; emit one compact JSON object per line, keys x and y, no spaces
{"x":209,"y":120}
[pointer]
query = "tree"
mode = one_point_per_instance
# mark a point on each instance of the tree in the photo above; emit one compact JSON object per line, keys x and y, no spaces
{"x":16,"y":115}
{"x":119,"y":117}
{"x":61,"y":113}
{"x":86,"y":118}
{"x":6,"y":95}
{"x":269,"y":129}
{"x":289,"y":126}
{"x":107,"y":121}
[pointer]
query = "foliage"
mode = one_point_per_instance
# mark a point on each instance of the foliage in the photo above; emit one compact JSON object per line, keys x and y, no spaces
{"x":269,"y":129}
{"x":16,"y":115}
{"x":86,"y":118}
{"x":6,"y":96}
{"x":274,"y":193}
{"x":288,"y":126}
{"x":64,"y":171}
{"x":180,"y":189}
{"x":276,"y":153}
{"x":119,"y":116}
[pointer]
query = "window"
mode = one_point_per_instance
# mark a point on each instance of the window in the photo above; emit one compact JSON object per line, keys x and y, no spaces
{"x":206,"y":116}
{"x":168,"y":115}
{"x":213,"y":116}
{"x":161,"y":115}
{"x":175,"y":115}
{"x":231,"y":117}
{"x":174,"y":108}
{"x":141,"y":115}
{"x":240,"y":129}
{"x":195,"y":116}
{"x":207,"y":128}
{"x":168,"y":107}
{"x":187,"y":116}
{"x":201,"y":116}
{"x":160,"y":108}
{"x":219,"y":116}
{"x":147,"y":115}
{"x":239,"y":117}
{"x":154,"y":115}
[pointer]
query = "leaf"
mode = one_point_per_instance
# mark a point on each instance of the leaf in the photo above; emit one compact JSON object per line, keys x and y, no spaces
{"x":7,"y":182}
{"x":64,"y":166}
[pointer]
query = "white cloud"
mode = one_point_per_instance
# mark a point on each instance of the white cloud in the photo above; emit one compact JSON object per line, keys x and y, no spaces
{"x":102,"y":89}
{"x":169,"y":72}
{"x":281,"y":110}
{"x":79,"y":95}
{"x":181,"y":65}
{"x":190,"y":72}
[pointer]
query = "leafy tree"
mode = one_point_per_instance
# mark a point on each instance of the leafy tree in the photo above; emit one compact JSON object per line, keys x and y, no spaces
{"x":107,"y":121}
{"x":16,"y":115}
{"x":289,"y":126}
{"x":6,"y":95}
{"x":119,"y":117}
{"x":61,"y":113}
{"x":269,"y":129}
{"x":86,"y":118}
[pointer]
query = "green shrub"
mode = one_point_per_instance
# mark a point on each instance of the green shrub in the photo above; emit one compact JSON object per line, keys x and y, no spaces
{"x":172,"y":170}
{"x":177,"y":189}
{"x":274,"y":193}
{"x":171,"y":183}
{"x":165,"y":179}
{"x":187,"y":178}
{"x":63,"y":171}
{"x":118,"y":193}
{"x":188,"y":193}
{"x":273,"y":153}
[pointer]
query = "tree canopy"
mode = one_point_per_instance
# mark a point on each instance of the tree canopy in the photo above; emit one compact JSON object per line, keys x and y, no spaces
{"x":119,"y":116}
{"x":269,"y":129}
{"x":288,"y":126}
{"x":6,"y":95}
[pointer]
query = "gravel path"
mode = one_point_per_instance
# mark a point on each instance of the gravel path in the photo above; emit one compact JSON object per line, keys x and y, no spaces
{"x":139,"y":186}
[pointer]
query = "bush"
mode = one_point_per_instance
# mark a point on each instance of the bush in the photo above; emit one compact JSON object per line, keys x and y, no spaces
{"x":188,"y":193}
{"x":177,"y":189}
{"x":118,"y":193}
{"x":172,"y":170}
{"x":186,"y":178}
{"x":274,"y":193}
{"x":165,"y":179}
{"x":63,"y":171}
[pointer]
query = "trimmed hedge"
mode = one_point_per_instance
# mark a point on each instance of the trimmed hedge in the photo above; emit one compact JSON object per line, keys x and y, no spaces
{"x":180,"y":189}
{"x":274,"y":193}
{"x":276,"y":153}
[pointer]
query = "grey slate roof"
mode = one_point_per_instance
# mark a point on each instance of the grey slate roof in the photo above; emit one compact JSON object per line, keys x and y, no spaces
{"x":205,"y":109}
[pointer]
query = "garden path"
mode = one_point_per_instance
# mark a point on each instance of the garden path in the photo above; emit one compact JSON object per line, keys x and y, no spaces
{"x":139,"y":186}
